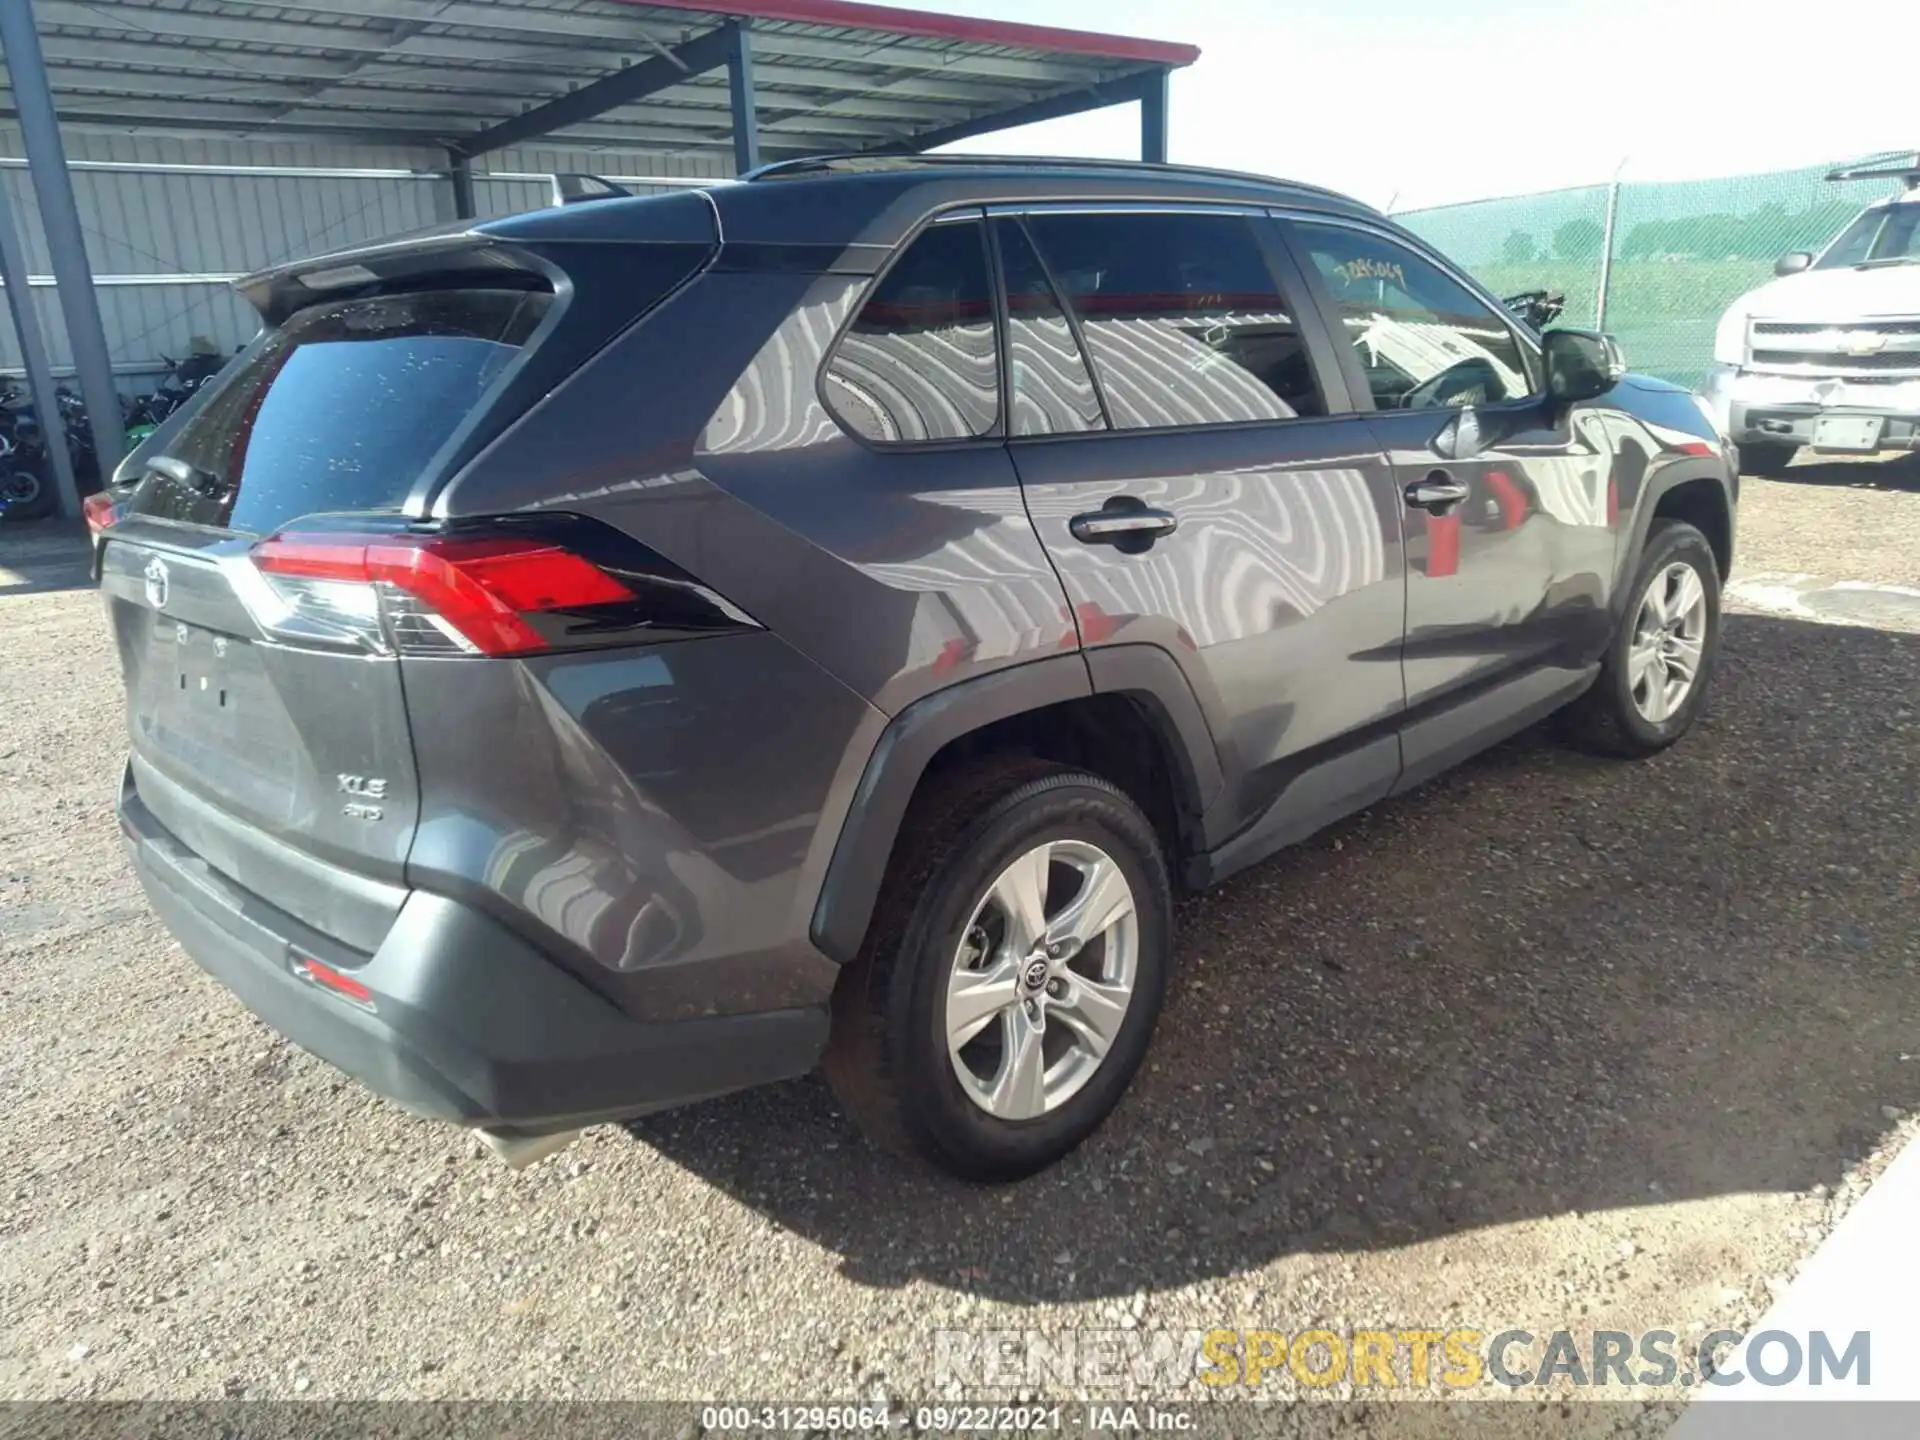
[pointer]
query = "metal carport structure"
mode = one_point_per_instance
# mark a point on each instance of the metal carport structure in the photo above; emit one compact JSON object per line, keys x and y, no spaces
{"x":743,"y":82}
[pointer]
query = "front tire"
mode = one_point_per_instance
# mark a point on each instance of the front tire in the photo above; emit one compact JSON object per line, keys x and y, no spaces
{"x":1011,"y":979}
{"x":1657,"y":667}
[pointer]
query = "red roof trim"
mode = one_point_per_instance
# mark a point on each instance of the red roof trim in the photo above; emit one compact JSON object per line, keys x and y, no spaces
{"x":932,"y":26}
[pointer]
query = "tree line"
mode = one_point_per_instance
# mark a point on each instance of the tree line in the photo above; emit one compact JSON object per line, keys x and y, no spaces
{"x":1762,"y":234}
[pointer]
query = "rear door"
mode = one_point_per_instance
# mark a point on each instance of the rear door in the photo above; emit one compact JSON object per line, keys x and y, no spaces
{"x":264,"y":709}
{"x":1178,"y":430}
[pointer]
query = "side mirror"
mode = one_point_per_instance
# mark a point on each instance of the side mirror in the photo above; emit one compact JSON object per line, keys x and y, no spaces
{"x":1792,"y":264}
{"x":1581,"y":364}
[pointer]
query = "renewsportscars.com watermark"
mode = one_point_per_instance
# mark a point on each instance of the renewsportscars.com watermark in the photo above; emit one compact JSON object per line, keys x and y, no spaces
{"x":1449,"y":1360}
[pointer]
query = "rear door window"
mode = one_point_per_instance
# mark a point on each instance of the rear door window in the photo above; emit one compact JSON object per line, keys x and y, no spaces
{"x":341,"y":408}
{"x":1182,"y":315}
{"x":920,"y":361}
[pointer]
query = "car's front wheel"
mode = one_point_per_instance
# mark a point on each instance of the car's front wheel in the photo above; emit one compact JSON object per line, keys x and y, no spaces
{"x":1655,"y":674}
{"x":1015,"y":968}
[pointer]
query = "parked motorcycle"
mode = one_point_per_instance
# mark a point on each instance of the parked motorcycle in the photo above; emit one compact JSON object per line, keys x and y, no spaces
{"x":182,"y":380}
{"x":27,"y":490}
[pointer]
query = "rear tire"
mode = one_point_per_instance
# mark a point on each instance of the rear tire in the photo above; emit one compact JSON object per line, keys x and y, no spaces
{"x":1766,"y":460}
{"x":943,"y":940}
{"x":1638,"y":707}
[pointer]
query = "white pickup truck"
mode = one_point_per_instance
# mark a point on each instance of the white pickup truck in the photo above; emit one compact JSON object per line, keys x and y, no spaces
{"x":1828,"y":354}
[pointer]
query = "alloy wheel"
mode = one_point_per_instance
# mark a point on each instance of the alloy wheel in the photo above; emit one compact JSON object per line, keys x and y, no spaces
{"x":1042,"y":979}
{"x":1669,"y":643}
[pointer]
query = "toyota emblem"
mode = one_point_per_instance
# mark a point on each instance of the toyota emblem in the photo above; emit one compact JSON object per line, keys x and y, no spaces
{"x":156,"y":578}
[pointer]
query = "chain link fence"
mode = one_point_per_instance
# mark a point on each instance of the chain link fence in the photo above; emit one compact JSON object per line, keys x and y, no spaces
{"x":1655,"y":263}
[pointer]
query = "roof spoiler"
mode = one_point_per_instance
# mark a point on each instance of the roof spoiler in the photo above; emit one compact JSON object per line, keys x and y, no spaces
{"x":1906,"y":171}
{"x":572,"y":187}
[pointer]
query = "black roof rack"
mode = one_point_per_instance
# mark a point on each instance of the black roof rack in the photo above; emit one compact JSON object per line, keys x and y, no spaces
{"x":884,"y":163}
{"x":1907,"y":170}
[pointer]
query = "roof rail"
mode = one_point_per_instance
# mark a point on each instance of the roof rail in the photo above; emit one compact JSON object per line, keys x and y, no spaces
{"x":1906,"y":171}
{"x":882,"y":163}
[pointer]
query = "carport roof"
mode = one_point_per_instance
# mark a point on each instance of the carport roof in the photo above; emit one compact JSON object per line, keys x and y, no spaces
{"x":828,"y":75}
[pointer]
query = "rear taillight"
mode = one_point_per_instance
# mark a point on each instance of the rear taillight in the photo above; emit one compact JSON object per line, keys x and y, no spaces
{"x":476,"y":596}
{"x":100,"y":511}
{"x":509,"y":588}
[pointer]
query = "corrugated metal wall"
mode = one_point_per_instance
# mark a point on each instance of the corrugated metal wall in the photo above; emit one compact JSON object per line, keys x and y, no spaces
{"x":164,"y":245}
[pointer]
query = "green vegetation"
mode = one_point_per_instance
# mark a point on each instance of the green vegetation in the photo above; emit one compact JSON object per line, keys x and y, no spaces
{"x":1579,"y":240}
{"x":1763,"y":234}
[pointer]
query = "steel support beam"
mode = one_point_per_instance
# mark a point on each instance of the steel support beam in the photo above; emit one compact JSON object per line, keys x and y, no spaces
{"x":460,"y":172}
{"x":623,"y":87}
{"x":1153,"y":117}
{"x":1121,"y":91}
{"x":67,"y":247}
{"x":746,"y":123}
{"x":33,"y":350}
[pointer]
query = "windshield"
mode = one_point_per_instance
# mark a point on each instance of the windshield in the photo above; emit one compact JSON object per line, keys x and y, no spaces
{"x":1889,"y":235}
{"x":340,"y":409}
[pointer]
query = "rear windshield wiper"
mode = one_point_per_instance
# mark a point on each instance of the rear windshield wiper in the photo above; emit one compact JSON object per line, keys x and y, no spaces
{"x":201,"y":482}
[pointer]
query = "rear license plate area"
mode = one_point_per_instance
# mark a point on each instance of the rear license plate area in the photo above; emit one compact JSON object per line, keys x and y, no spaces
{"x":198,"y":670}
{"x":1858,"y":433}
{"x":205,"y":702}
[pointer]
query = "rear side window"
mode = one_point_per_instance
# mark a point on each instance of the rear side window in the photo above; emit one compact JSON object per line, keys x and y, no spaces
{"x":920,"y":361}
{"x":1182,"y":317}
{"x":341,"y":408}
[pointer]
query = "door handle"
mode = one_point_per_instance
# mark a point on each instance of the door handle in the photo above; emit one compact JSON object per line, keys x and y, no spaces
{"x":1125,"y":522}
{"x":1438,"y":493}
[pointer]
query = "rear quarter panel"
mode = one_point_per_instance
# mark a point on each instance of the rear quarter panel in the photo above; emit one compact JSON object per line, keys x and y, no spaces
{"x":701,"y":433}
{"x":650,"y":817}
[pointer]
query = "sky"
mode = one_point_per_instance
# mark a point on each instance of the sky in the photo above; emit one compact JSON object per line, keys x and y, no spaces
{"x":1421,"y":103}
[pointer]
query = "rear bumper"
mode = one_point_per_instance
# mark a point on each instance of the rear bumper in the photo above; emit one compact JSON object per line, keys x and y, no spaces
{"x":1759,"y":409}
{"x":464,"y":1021}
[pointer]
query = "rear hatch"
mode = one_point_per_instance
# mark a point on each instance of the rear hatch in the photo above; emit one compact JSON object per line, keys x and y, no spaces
{"x":270,"y":565}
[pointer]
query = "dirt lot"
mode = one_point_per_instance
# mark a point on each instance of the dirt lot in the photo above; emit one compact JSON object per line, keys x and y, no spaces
{"x":1553,"y":1042}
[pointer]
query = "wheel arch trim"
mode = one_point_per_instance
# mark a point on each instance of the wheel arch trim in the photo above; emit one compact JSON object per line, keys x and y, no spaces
{"x":1659,"y":485}
{"x":918,"y":733}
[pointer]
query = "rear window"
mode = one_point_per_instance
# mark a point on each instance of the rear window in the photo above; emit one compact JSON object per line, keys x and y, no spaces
{"x":341,"y":408}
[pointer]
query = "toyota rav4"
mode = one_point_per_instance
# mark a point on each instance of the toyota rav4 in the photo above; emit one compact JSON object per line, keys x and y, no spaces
{"x":589,"y":661}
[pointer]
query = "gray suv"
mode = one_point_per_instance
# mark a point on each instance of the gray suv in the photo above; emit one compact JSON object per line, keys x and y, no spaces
{"x":585,"y":662}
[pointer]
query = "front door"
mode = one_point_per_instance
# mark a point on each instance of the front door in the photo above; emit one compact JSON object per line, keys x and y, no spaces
{"x":1200,"y":488}
{"x":1509,"y":507}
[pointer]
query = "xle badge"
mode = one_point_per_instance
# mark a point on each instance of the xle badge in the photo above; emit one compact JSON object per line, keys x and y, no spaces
{"x":364,"y":789}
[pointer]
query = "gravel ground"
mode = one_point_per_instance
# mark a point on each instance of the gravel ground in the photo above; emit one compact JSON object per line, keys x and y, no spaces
{"x":1861,"y":521}
{"x":1552,"y":1043}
